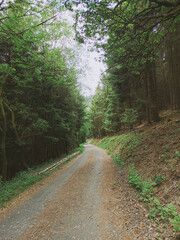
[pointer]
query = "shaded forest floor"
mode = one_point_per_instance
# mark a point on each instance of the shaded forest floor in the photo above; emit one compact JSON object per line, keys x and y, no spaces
{"x":156,"y":157}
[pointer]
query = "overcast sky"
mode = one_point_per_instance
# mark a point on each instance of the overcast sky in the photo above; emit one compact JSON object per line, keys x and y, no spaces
{"x":90,"y":61}
{"x":92,"y":74}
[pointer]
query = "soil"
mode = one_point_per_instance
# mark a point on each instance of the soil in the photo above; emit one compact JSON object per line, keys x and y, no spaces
{"x":89,"y":198}
{"x":157,"y":155}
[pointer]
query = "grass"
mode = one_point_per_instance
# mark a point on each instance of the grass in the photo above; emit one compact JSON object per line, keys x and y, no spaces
{"x":25,"y":179}
{"x":124,"y":144}
{"x":17,"y":185}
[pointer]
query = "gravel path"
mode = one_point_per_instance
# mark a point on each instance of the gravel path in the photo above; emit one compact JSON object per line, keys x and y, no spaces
{"x":88,"y":199}
{"x":65,"y":208}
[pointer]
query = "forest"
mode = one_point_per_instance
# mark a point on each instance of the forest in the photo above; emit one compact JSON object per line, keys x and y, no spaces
{"x":42,"y":111}
{"x":140,"y":40}
{"x":41,"y":108}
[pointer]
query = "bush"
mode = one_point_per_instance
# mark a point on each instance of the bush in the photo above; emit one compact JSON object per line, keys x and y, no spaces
{"x":159,"y":179}
{"x":118,"y":160}
{"x":145,"y":188}
{"x":176,"y":222}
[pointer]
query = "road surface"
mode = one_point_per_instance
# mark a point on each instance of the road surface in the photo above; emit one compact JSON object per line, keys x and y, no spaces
{"x":80,"y":201}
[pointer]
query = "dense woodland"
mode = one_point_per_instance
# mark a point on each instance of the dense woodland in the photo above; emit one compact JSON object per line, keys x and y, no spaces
{"x":141,"y":41}
{"x":41,"y":108}
{"x":42,"y":113}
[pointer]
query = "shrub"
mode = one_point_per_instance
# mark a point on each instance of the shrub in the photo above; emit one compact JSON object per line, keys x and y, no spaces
{"x":118,"y":160}
{"x":159,"y":179}
{"x":145,"y":188}
{"x":176,"y":222}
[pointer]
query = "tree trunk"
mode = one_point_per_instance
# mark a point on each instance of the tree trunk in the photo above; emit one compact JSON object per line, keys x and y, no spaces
{"x":177,"y":65}
{"x":165,"y":102}
{"x":172,"y":80}
{"x":3,"y":139}
{"x":148,"y":100}
{"x":155,"y":107}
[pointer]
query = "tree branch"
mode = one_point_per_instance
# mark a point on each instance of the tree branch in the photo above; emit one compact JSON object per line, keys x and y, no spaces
{"x":13,"y":121}
{"x":39,"y":24}
{"x":166,"y":3}
{"x":1,"y":2}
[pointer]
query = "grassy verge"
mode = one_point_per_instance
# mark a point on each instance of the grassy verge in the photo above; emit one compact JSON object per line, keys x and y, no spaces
{"x":121,"y":147}
{"x":80,"y":149}
{"x":25,"y":179}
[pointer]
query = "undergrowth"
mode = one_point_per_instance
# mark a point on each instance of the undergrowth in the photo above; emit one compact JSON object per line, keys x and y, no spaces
{"x":25,"y":179}
{"x":17,"y":185}
{"x":146,"y":189}
{"x":80,"y":149}
{"x":121,"y":149}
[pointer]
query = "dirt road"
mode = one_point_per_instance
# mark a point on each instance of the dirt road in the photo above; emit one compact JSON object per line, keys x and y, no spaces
{"x":80,"y":201}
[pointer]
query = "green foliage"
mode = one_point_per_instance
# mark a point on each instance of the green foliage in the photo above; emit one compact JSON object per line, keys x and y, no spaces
{"x":17,"y":185}
{"x":129,"y":117}
{"x":44,"y":109}
{"x":177,"y":131}
{"x":125,"y":144}
{"x":118,"y":160}
{"x":130,"y":37}
{"x":166,"y":213}
{"x":176,"y":222}
{"x":165,"y":156}
{"x":109,"y":143}
{"x":121,"y":148}
{"x":177,"y":155}
{"x":166,"y":148}
{"x":41,"y":125}
{"x":159,"y":179}
{"x":25,"y":179}
{"x":146,"y":188}
{"x":134,"y":178}
{"x":104,"y":112}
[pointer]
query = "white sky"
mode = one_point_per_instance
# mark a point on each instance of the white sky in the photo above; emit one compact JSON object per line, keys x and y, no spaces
{"x":90,"y":61}
{"x":93,"y":72}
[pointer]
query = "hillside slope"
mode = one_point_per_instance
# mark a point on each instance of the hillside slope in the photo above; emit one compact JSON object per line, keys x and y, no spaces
{"x":149,"y":159}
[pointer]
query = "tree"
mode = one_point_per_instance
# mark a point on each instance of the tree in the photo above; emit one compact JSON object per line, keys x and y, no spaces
{"x":105,"y":111}
{"x":129,"y":117}
{"x":133,"y":33}
{"x":41,"y":108}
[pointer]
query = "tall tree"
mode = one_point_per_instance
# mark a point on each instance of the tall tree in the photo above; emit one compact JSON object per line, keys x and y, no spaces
{"x":41,"y":109}
{"x":131,"y":34}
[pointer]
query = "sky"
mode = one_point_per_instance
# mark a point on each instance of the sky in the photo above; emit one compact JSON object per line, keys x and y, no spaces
{"x":92,"y":73}
{"x":89,"y":60}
